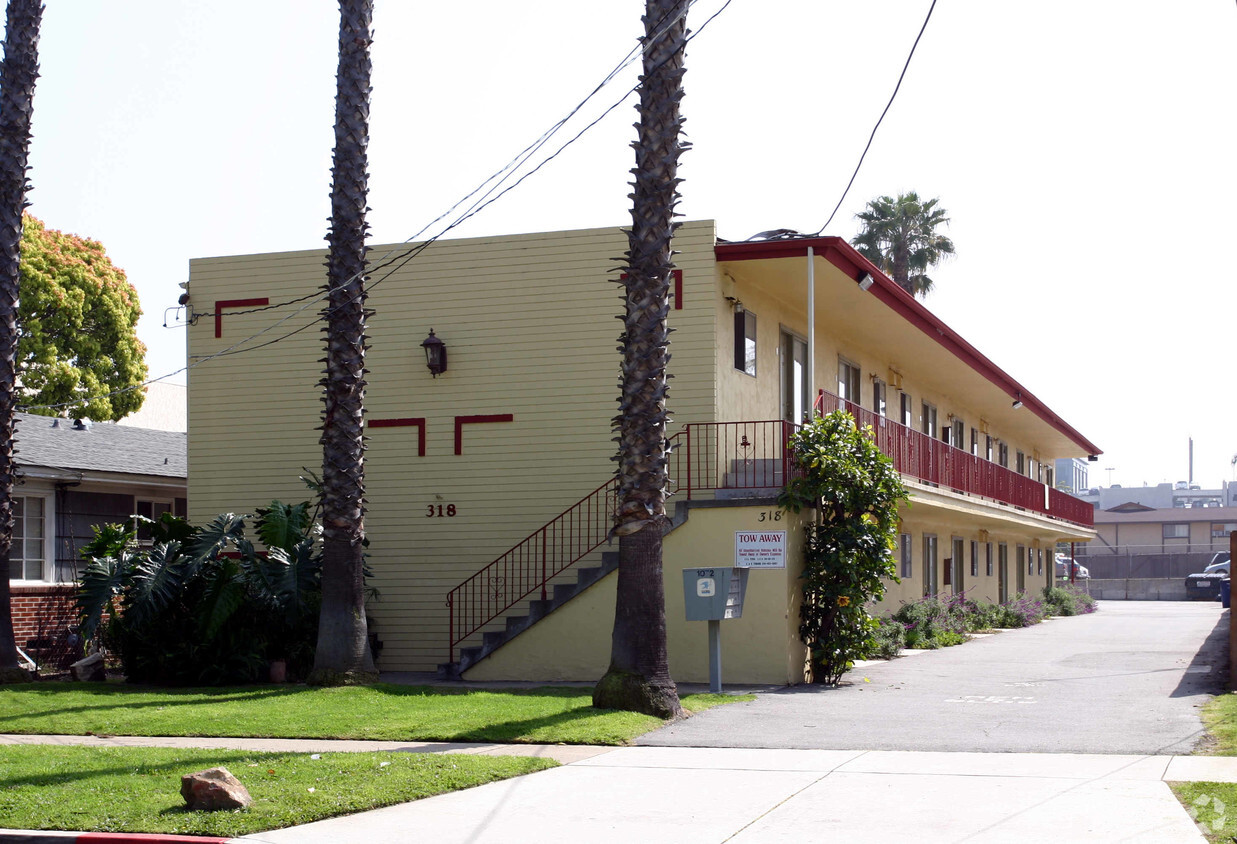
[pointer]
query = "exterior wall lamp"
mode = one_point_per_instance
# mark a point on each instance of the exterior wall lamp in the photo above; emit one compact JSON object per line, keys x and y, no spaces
{"x":435,"y":354}
{"x":866,"y":281}
{"x":1017,"y":401}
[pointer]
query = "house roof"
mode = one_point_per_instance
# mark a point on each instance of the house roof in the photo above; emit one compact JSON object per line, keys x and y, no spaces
{"x":846,"y":258}
{"x":99,"y":447}
{"x":1168,"y":514}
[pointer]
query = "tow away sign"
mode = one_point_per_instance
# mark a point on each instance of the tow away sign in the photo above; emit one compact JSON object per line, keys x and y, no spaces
{"x":760,"y":549}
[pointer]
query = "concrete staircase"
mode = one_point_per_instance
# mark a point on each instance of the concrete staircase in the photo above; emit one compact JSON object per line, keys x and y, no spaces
{"x":755,"y":478}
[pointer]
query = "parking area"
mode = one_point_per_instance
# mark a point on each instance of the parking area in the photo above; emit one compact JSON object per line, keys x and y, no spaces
{"x":1127,"y":679}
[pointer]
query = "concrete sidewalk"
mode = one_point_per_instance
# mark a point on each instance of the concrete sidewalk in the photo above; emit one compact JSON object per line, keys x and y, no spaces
{"x":745,"y":796}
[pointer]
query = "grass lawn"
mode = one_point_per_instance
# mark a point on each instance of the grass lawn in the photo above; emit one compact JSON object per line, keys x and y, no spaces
{"x":132,"y":789}
{"x":548,"y":715}
{"x":1214,"y":804}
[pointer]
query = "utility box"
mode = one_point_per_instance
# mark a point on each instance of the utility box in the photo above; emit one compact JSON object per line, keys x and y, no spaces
{"x":713,"y":593}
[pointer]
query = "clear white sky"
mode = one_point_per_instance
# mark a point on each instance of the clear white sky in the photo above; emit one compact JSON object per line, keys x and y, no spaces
{"x":1084,"y":150}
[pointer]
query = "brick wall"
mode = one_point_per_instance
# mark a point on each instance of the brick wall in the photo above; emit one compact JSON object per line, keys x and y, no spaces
{"x":43,"y":618}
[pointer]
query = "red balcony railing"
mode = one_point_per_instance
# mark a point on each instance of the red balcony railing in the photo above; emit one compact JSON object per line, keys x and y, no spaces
{"x":932,"y":461}
{"x":730,"y":455}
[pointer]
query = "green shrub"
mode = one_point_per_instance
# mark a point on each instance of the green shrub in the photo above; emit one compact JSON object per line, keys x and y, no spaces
{"x":848,"y":556}
{"x":200,"y":606}
{"x":1067,"y":600}
{"x":888,"y":638}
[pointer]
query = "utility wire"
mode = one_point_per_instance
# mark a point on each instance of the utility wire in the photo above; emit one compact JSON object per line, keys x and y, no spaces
{"x":901,"y":76}
{"x":395,"y":262}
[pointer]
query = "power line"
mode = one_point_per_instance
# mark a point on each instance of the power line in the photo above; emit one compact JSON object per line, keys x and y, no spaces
{"x":395,"y":262}
{"x":901,"y":76}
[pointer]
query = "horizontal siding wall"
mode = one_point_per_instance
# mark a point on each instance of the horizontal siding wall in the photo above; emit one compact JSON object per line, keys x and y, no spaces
{"x":529,"y":324}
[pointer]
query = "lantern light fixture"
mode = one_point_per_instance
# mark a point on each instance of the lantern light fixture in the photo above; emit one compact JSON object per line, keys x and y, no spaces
{"x":435,"y":354}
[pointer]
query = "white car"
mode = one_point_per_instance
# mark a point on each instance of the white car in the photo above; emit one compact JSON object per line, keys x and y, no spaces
{"x":1063,"y":568}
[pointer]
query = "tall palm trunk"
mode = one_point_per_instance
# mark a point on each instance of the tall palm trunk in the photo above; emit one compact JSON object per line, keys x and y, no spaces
{"x":18,"y":73}
{"x":639,"y":675}
{"x":343,"y":654}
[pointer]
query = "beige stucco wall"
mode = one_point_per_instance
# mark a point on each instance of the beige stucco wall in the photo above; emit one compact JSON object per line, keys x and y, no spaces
{"x":573,"y":643}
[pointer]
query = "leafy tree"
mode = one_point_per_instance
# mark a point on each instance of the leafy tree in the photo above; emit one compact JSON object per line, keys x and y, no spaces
{"x":849,"y":553}
{"x":899,"y":236}
{"x":18,"y":72}
{"x":343,"y":655}
{"x":639,"y":675}
{"x":78,"y":328}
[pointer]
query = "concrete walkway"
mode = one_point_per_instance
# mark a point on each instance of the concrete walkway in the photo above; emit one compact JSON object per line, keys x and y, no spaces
{"x":746,"y":796}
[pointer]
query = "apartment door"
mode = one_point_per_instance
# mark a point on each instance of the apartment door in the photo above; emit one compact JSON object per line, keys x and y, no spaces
{"x":958,"y":566}
{"x":796,"y":392}
{"x":1002,"y":570}
{"x":929,"y":565}
{"x":1021,"y":562}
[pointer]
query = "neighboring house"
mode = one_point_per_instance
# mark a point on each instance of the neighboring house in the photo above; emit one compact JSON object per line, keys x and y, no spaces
{"x":73,"y":475}
{"x":1134,"y":540}
{"x":485,"y":480}
{"x":1164,"y":496}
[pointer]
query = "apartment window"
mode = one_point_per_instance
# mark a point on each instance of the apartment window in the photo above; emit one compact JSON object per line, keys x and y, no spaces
{"x":1219,"y":531}
{"x":848,"y":380}
{"x":1039,"y":561}
{"x":1030,"y":561}
{"x":929,"y":419}
{"x":958,"y":440}
{"x":904,"y":550}
{"x":878,"y":397}
{"x":974,"y":442}
{"x":151,"y":510}
{"x":1048,"y":475}
{"x":988,"y":559}
{"x":1002,"y":454}
{"x":745,"y":341}
{"x":988,"y":450}
{"x":1020,"y":463}
{"x":974,"y":559}
{"x":905,"y":401}
{"x":28,"y":557}
{"x":1179,"y":531}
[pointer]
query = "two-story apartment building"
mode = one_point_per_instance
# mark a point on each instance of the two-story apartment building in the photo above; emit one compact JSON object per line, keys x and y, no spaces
{"x":487,"y":483}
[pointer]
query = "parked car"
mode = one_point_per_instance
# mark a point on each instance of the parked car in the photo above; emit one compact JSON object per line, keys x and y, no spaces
{"x":1206,"y":584}
{"x":1064,"y":564}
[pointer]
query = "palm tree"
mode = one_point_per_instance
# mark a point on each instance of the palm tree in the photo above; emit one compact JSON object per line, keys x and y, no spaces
{"x":18,"y":72}
{"x":343,"y":655}
{"x":899,"y":236}
{"x":639,"y":675}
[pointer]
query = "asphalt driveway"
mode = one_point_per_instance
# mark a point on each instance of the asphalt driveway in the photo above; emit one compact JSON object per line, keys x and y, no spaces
{"x":1129,"y":678}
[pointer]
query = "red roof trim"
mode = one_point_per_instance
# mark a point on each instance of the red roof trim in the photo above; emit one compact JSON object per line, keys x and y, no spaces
{"x":845,"y":257}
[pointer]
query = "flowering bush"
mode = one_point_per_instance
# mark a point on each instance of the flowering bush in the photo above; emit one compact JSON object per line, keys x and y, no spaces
{"x":1068,"y":600}
{"x":849,"y":551}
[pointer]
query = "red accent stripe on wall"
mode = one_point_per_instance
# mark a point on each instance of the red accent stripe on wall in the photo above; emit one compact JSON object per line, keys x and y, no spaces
{"x":461,"y":421}
{"x":678,"y":287}
{"x":417,"y":422}
{"x":234,"y":303}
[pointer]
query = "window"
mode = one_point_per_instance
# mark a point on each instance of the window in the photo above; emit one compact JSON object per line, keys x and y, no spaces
{"x":1020,"y":463}
{"x":988,"y":558}
{"x":1221,"y":531}
{"x":1039,"y":561}
{"x":848,"y":380}
{"x":745,"y":342}
{"x":906,"y":409}
{"x":1030,"y":561}
{"x":1002,"y":452}
{"x":958,"y":440}
{"x":929,"y":419}
{"x":28,"y":557}
{"x":904,"y":549}
{"x":1176,"y":531}
{"x":974,"y":442}
{"x":878,"y":397}
{"x":974,"y":559}
{"x":988,"y":450}
{"x":151,"y":510}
